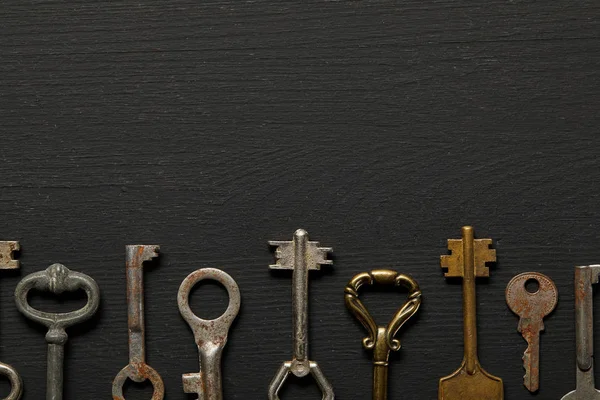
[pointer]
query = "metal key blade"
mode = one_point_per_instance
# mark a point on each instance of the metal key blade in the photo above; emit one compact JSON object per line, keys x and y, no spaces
{"x":531,"y":359}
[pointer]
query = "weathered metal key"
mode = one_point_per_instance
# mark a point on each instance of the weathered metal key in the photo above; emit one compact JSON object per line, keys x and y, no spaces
{"x":381,"y":338}
{"x":301,"y":256}
{"x":57,"y":279}
{"x":210,"y":335}
{"x":7,"y":262}
{"x":137,"y":370}
{"x":585,"y":277}
{"x":531,"y":307}
{"x":468,"y":261}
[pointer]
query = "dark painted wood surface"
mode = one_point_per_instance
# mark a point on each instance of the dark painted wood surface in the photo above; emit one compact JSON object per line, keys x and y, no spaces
{"x":210,"y":127}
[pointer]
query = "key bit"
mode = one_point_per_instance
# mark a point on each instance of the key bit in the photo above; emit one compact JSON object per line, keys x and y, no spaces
{"x":381,"y":339}
{"x":585,"y":277}
{"x":57,"y":279}
{"x":468,"y":261}
{"x":301,"y":256}
{"x":7,"y":261}
{"x":531,"y":307}
{"x":137,"y":370}
{"x":210,"y":335}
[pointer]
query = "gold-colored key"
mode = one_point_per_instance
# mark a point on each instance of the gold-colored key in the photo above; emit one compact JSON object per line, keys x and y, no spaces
{"x":467,"y":261}
{"x":382,"y":339}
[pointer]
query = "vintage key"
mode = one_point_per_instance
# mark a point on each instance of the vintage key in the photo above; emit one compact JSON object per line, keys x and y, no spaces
{"x":585,"y":277}
{"x":7,"y":262}
{"x":57,"y":279}
{"x":468,"y":261}
{"x":531,"y":307}
{"x":137,"y":370}
{"x":381,"y":338}
{"x":210,"y":335}
{"x":300,"y":255}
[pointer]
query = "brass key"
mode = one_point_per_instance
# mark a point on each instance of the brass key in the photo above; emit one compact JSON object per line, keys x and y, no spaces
{"x":381,"y":338}
{"x":470,"y":381}
{"x":531,"y":307}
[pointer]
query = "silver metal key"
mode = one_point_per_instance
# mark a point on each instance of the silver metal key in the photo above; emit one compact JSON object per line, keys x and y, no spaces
{"x":137,"y":370}
{"x":57,"y":279}
{"x":7,"y":262}
{"x":301,"y":256}
{"x":210,"y":335}
{"x":585,"y":277}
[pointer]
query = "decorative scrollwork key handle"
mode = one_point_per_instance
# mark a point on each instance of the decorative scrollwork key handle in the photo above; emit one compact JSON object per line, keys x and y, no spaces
{"x":381,"y":339}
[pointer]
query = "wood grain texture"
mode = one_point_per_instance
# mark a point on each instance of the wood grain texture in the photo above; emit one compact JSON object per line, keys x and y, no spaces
{"x":210,"y":127}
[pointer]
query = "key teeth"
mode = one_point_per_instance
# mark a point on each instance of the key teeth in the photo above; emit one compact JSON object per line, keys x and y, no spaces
{"x":7,"y":249}
{"x":452,"y":263}
{"x":284,"y":254}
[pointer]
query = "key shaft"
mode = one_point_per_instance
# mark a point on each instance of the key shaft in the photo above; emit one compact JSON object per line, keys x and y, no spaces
{"x":469,"y":301}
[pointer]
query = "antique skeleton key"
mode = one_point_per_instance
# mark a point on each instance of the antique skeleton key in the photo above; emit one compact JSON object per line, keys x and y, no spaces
{"x":468,"y":261}
{"x":531,"y":307}
{"x":301,"y":256}
{"x":585,"y":277}
{"x":57,"y":279}
{"x":7,"y":262}
{"x":382,"y":339}
{"x":137,"y":370}
{"x":210,"y":335}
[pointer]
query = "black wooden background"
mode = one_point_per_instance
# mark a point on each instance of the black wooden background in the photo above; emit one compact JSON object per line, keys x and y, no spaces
{"x":381,"y":127}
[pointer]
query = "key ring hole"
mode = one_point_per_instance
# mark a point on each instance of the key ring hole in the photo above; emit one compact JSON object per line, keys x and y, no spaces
{"x":532,"y":285}
{"x":138,"y":390}
{"x":65,"y":302}
{"x":210,"y":297}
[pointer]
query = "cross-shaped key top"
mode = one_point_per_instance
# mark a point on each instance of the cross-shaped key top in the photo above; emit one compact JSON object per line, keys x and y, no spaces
{"x":301,"y":256}
{"x":585,"y":277}
{"x":7,"y":250}
{"x":468,"y":261}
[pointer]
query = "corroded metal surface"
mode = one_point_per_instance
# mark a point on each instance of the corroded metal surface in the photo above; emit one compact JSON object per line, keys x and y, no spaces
{"x":7,"y":261}
{"x":468,"y":261}
{"x":210,"y":335}
{"x":381,"y":339}
{"x":585,"y":277}
{"x":57,"y":279}
{"x":531,"y":307}
{"x":137,"y":370}
{"x":300,"y":255}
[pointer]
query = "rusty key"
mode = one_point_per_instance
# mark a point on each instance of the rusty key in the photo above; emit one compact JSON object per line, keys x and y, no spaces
{"x":7,"y":262}
{"x":468,"y":261}
{"x":531,"y":307}
{"x":585,"y":277}
{"x":210,"y":335}
{"x":137,"y":370}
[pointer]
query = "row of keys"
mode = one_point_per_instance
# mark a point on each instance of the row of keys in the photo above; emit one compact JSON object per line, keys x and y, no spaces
{"x":467,"y":261}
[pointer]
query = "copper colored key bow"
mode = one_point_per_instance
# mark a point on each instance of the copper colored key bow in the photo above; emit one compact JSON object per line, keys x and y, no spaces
{"x":381,"y":338}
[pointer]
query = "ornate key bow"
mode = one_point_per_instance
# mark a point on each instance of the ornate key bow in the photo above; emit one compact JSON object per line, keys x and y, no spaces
{"x":381,"y":339}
